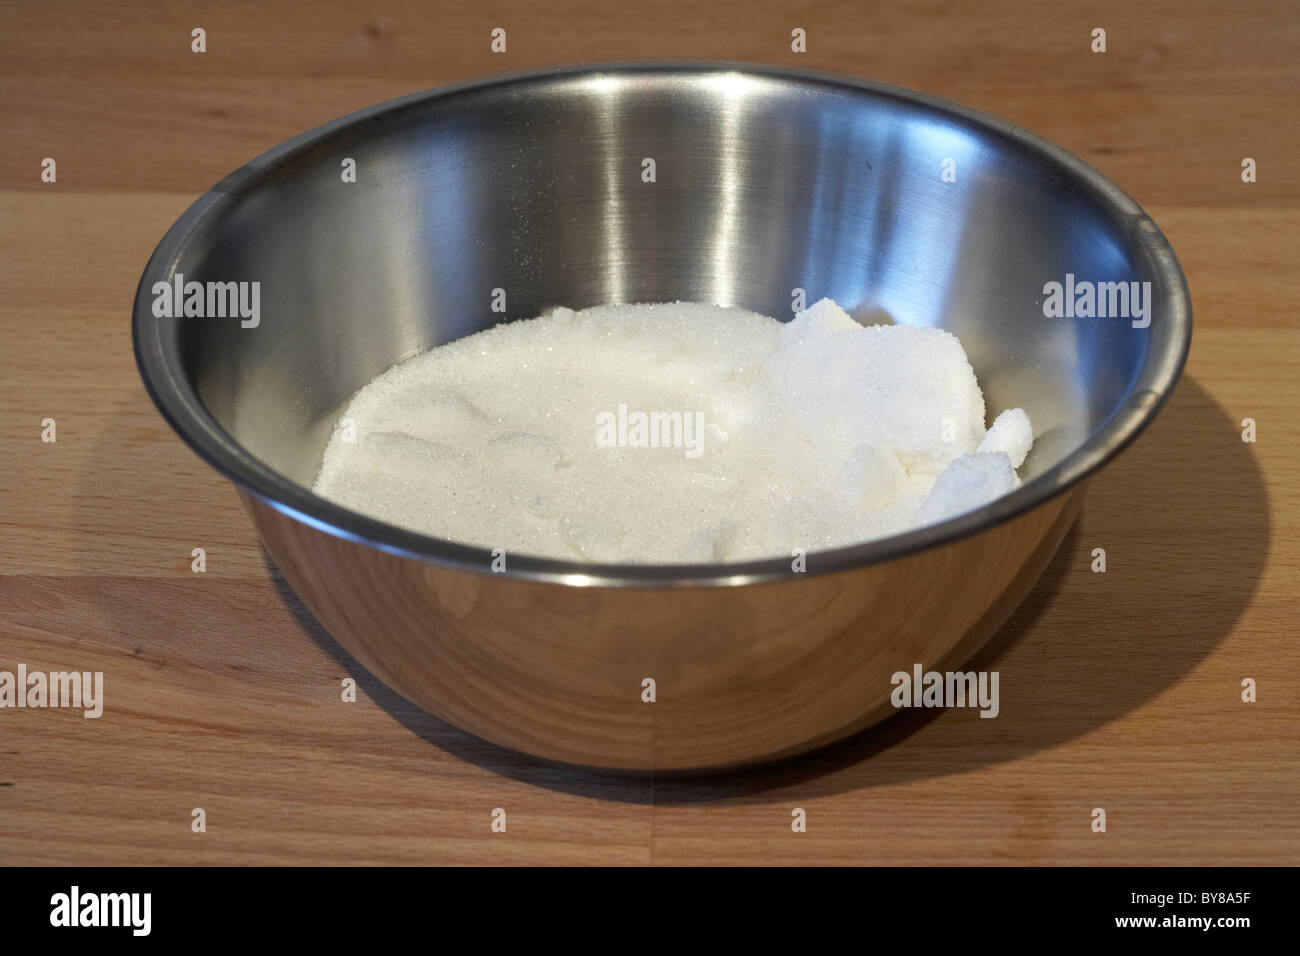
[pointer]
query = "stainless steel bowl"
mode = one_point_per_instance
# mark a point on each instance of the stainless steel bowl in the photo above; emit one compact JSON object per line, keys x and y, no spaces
{"x":767,"y":179}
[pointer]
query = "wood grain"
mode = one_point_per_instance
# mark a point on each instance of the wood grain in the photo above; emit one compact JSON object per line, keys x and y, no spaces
{"x":1119,"y":690}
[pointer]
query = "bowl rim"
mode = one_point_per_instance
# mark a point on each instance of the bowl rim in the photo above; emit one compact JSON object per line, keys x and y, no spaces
{"x":1170,"y":341}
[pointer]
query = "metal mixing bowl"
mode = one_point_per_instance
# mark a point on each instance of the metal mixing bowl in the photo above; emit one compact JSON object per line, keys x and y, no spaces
{"x":767,"y":179}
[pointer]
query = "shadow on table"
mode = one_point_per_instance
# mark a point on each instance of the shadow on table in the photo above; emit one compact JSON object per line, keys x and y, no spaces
{"x":1206,"y":563}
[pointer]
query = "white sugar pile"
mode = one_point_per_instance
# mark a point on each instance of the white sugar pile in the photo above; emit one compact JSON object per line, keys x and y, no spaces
{"x":675,"y":433}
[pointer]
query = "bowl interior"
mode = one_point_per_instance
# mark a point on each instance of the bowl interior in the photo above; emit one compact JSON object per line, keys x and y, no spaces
{"x":764,"y":183}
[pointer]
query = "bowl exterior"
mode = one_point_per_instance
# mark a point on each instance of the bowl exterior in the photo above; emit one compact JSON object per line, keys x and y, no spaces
{"x":741,"y":675}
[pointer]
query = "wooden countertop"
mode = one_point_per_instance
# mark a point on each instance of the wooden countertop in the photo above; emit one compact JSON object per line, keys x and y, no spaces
{"x":1119,"y":690}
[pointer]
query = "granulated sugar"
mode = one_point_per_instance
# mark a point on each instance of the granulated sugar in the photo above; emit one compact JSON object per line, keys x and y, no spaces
{"x":674,"y":433}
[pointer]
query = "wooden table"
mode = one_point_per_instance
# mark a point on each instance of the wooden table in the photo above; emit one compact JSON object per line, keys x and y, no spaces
{"x":1119,"y":690}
